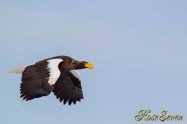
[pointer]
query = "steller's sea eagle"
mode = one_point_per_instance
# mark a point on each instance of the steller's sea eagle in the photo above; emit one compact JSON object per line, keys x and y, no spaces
{"x":57,"y":74}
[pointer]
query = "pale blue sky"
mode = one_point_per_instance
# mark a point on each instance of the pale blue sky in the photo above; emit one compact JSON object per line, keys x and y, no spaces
{"x":138,"y":49}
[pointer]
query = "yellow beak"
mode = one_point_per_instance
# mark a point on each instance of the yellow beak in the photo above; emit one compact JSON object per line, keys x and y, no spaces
{"x":88,"y":65}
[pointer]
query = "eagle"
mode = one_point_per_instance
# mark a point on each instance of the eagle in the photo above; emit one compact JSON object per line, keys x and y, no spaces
{"x":56,"y":74}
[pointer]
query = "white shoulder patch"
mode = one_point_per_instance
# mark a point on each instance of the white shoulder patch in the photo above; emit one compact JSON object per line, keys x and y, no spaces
{"x":76,"y":74}
{"x":54,"y":70}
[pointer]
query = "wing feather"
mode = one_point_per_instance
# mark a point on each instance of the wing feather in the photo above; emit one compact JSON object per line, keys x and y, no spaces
{"x":35,"y":80}
{"x":68,"y":88}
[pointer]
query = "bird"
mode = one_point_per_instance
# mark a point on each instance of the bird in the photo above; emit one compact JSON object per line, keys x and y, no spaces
{"x":56,"y":74}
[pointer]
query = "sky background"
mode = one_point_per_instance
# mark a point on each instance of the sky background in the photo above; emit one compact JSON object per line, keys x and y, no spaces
{"x":138,"y":48}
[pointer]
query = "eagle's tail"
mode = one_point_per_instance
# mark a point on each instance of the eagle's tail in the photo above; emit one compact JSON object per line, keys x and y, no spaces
{"x":17,"y":70}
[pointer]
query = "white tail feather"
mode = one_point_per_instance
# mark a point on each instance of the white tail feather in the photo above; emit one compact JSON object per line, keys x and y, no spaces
{"x":17,"y":70}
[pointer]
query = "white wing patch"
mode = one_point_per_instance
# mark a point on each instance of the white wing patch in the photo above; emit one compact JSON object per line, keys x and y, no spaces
{"x":76,"y":74}
{"x":54,"y":70}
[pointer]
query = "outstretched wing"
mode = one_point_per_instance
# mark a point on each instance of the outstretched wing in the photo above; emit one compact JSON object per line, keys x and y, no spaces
{"x":68,"y":87}
{"x":38,"y":79}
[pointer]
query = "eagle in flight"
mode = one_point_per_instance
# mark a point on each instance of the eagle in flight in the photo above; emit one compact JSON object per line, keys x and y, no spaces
{"x":57,"y":74}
